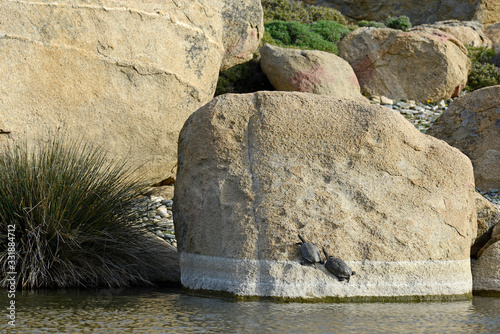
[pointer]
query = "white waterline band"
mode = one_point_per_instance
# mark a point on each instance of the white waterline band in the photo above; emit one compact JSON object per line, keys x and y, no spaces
{"x":289,"y":279}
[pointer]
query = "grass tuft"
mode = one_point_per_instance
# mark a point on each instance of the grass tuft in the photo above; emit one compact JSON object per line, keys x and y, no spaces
{"x":73,"y":216}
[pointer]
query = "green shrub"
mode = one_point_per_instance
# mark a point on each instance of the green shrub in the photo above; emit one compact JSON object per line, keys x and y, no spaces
{"x":374,"y":24}
{"x":329,"y":30}
{"x":401,"y":22}
{"x":483,"y":72}
{"x":321,"y":35}
{"x":480,"y":54}
{"x":73,"y":217}
{"x":287,"y":10}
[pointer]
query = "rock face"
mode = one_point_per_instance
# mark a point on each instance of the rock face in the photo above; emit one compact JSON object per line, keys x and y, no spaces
{"x":488,"y":216}
{"x":309,"y":71}
{"x":257,"y":169}
{"x":419,"y":11}
{"x":472,"y":124}
{"x":122,"y":75}
{"x":486,"y":271}
{"x":243,"y":30}
{"x":467,"y":32}
{"x":493,"y":33}
{"x":420,"y":65}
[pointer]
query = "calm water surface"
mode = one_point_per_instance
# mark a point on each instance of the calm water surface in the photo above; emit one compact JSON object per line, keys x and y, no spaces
{"x":170,"y":311}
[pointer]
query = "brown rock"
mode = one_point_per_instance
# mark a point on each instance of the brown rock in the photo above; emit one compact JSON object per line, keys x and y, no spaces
{"x":488,"y":216}
{"x":467,"y":32}
{"x":121,"y":75}
{"x":168,"y":272}
{"x":257,"y":169}
{"x":493,"y":33}
{"x":399,"y":64}
{"x":419,"y":11}
{"x":243,"y":30}
{"x":309,"y":71}
{"x":486,"y":271}
{"x":472,"y":124}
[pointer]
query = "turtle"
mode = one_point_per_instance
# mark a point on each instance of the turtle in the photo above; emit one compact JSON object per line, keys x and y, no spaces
{"x":338,"y":267}
{"x":310,"y":252}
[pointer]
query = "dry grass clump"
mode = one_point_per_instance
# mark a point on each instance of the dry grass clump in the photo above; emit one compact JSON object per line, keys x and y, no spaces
{"x":73,"y":218}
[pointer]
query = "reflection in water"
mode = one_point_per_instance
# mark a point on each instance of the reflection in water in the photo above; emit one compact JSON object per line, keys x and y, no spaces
{"x":169,"y":311}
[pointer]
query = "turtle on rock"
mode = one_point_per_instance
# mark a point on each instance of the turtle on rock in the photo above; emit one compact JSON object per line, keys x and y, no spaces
{"x":338,"y":267}
{"x":310,"y":252}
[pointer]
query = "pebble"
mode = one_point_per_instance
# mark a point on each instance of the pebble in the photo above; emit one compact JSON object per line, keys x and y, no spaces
{"x":155,"y":214}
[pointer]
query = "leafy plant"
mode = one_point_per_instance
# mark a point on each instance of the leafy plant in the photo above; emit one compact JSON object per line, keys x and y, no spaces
{"x":483,"y":72}
{"x":320,"y":35}
{"x":400,"y":22}
{"x":374,"y":24}
{"x":288,"y":10}
{"x":71,"y":215}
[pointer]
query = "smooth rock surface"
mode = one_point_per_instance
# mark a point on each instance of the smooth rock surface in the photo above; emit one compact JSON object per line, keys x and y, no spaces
{"x":419,"y":11}
{"x":421,"y":65}
{"x":257,"y":169}
{"x":309,"y":71}
{"x":472,"y":124}
{"x":493,"y":33}
{"x":467,"y":32}
{"x":122,"y":75}
{"x":486,"y":270}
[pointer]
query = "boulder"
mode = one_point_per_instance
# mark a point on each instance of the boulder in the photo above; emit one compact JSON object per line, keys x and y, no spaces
{"x":309,"y":71}
{"x":486,"y":272}
{"x":488,"y":216}
{"x":472,"y":124}
{"x":168,"y":273}
{"x":121,"y":75}
{"x":467,"y":32}
{"x":493,"y":32}
{"x":426,"y":64}
{"x":256,"y":170}
{"x":243,"y":30}
{"x":419,"y":11}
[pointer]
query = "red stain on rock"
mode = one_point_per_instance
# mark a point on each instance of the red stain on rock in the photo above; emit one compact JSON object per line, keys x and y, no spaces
{"x":365,"y":70}
{"x":306,"y":81}
{"x":457,"y":91}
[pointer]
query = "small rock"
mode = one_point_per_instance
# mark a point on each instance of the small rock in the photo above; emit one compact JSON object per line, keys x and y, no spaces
{"x":385,"y":100}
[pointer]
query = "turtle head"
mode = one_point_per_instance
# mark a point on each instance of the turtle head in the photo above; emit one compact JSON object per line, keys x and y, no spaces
{"x":326,"y":254}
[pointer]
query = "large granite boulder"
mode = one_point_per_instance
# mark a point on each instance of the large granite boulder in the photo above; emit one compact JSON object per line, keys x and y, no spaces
{"x":257,"y":169}
{"x":309,"y":71}
{"x":472,"y":124}
{"x":121,"y":75}
{"x":421,"y":65}
{"x":419,"y":11}
{"x":467,"y":32}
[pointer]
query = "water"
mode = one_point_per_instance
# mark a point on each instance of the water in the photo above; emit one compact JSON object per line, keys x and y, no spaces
{"x":170,"y":311}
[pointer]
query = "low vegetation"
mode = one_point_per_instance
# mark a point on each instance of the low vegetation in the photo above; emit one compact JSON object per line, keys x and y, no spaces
{"x":483,"y":73}
{"x":70,"y":215}
{"x":395,"y":22}
{"x":320,"y":35}
{"x":296,"y":11}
